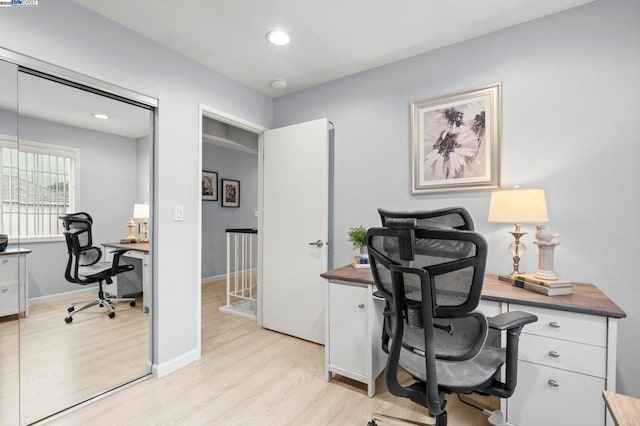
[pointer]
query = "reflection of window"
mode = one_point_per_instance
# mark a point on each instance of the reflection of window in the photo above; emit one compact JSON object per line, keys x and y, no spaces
{"x":38,"y":185}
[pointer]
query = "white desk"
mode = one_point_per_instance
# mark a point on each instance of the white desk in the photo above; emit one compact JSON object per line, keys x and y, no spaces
{"x":138,"y":254}
{"x":14,"y":282}
{"x":566,"y":359}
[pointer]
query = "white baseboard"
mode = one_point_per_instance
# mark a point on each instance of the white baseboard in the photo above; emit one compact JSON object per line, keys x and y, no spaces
{"x":160,"y":370}
{"x":89,"y":290}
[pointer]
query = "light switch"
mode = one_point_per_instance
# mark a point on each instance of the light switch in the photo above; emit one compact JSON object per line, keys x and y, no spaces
{"x":179,"y":215}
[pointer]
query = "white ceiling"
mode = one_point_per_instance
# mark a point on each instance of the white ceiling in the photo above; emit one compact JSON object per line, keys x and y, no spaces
{"x":329,"y":39}
{"x":46,"y":100}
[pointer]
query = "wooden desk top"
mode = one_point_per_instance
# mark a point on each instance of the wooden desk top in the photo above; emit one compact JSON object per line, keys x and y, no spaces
{"x":586,"y":298}
{"x":14,"y":250}
{"x":351,"y":274}
{"x":131,"y":246}
{"x":624,"y":409}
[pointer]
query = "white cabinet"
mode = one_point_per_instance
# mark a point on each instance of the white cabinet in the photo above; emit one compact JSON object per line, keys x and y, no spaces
{"x":145,"y":275}
{"x":353,"y":328}
{"x":14,"y":288}
{"x":131,"y":282}
{"x":562,"y":368}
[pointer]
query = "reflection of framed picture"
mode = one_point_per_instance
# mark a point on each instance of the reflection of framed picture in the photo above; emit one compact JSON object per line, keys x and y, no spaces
{"x":455,"y":141}
{"x":209,"y":186}
{"x":230,"y":193}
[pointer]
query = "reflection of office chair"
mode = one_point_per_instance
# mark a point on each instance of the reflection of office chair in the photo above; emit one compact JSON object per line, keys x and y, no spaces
{"x":431,"y":279}
{"x":84,"y":266}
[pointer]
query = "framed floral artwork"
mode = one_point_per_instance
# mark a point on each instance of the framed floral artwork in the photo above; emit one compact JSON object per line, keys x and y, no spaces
{"x":209,"y":186}
{"x":456,"y":141}
{"x":230,"y":193}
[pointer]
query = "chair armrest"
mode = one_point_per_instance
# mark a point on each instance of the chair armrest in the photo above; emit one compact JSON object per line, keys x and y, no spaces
{"x":117,"y":253}
{"x":512,"y":323}
{"x":510,"y":320}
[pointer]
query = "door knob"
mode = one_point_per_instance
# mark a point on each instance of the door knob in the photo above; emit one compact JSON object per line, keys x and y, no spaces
{"x":318,"y":243}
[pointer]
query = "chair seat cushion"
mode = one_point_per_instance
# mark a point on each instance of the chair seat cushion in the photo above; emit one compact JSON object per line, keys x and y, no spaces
{"x":96,"y":271}
{"x":457,"y":376}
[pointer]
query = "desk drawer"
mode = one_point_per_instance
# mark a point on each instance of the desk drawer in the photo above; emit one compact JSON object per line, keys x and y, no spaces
{"x":578,"y":357}
{"x":134,"y":254}
{"x":582,"y":328}
{"x":8,"y":269}
{"x":8,"y":298}
{"x":490,"y":308}
{"x":550,"y":396}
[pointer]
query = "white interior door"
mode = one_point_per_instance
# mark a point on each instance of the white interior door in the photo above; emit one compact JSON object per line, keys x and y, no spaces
{"x":295,"y":217}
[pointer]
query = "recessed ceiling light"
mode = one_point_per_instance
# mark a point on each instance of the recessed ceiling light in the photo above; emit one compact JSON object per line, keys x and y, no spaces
{"x":278,"y":37}
{"x":279,"y":84}
{"x":101,"y":116}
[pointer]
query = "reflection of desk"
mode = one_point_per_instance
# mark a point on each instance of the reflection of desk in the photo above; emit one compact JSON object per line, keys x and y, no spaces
{"x":14,"y":284}
{"x":624,"y":409}
{"x":566,"y":359}
{"x":141,"y":279}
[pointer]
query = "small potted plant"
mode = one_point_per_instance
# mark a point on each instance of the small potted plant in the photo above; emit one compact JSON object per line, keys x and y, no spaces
{"x":358,"y":237}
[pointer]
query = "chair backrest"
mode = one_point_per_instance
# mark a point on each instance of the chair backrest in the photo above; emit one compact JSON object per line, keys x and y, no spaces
{"x":431,"y":278}
{"x":454,"y":259}
{"x":80,"y":225}
{"x":79,"y":239}
{"x":452,"y":217}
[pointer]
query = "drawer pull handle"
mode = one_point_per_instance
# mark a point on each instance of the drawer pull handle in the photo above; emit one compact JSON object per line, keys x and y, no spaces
{"x":554,"y":324}
{"x":553,"y":383}
{"x":361,"y":306}
{"x":5,"y":260}
{"x":554,"y":354}
{"x":5,"y":289}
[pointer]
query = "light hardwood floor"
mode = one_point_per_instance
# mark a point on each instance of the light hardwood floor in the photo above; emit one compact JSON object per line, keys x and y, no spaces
{"x":251,"y":376}
{"x":63,"y":364}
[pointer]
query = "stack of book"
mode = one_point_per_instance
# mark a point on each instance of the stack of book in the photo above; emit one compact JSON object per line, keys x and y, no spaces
{"x":361,"y":262}
{"x":539,"y":285}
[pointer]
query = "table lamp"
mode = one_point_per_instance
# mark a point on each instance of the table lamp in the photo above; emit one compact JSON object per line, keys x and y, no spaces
{"x":518,"y":206}
{"x":141,"y":212}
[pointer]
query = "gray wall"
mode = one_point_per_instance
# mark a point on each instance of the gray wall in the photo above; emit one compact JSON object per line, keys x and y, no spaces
{"x":107,"y":192}
{"x":571,"y":96}
{"x":65,"y":34}
{"x":229,"y":164}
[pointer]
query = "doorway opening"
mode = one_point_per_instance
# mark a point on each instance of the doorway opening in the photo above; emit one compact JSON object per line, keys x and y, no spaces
{"x":229,"y":222}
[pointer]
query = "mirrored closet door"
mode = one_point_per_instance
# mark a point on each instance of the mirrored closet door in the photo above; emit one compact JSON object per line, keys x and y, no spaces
{"x":10,"y":271}
{"x":69,"y":148}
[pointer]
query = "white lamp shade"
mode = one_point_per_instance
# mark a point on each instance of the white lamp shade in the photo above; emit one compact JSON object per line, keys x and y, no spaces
{"x":518,"y":205}
{"x":141,"y":211}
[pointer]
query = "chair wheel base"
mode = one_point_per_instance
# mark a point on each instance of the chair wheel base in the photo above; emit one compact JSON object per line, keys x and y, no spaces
{"x":71,"y":309}
{"x":68,"y":319}
{"x":132,"y":304}
{"x":112,"y":314}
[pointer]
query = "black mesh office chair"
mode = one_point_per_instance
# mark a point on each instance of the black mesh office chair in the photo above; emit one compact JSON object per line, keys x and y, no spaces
{"x":451,"y":217}
{"x":84,"y":266}
{"x":431,"y":278}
